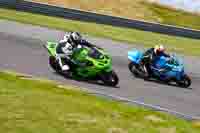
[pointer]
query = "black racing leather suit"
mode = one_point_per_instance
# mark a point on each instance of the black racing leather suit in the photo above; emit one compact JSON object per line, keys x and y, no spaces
{"x":149,"y":57}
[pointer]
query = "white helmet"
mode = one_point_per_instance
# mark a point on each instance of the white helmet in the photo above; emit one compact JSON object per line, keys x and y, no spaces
{"x":159,"y":48}
{"x":75,"y":36}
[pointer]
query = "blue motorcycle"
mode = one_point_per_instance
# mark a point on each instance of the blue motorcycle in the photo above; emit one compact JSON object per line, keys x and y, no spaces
{"x":163,"y":69}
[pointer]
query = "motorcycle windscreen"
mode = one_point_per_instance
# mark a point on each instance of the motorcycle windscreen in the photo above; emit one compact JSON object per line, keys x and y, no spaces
{"x":93,"y":53}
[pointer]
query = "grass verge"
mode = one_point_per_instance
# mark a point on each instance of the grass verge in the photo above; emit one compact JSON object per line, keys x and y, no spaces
{"x":175,"y":17}
{"x":35,"y":106}
{"x":133,"y":9}
{"x":147,"y":39}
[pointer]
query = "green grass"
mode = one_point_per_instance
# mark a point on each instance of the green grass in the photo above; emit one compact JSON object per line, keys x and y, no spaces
{"x":134,"y":9}
{"x":175,"y":17}
{"x":32,"y":106}
{"x":147,"y":39}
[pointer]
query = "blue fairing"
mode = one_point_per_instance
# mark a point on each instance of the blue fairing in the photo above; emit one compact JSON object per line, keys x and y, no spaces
{"x":160,"y":62}
{"x":135,"y":56}
{"x":176,"y":70}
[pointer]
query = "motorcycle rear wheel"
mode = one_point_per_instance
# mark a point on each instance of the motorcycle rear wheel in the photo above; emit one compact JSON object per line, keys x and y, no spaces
{"x":110,"y":79}
{"x":185,"y":82}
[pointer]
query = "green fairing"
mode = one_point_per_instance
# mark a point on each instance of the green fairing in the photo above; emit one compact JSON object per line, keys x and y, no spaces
{"x":51,"y":47}
{"x":96,"y":61}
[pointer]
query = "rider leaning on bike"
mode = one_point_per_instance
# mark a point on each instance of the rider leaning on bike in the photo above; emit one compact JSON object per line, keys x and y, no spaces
{"x":66,"y":47}
{"x":151,"y":54}
{"x":73,"y":40}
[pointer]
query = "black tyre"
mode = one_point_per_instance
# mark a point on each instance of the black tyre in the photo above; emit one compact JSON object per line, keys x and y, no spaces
{"x":110,"y":79}
{"x":53,"y":63}
{"x":185,"y":82}
{"x":133,"y":69}
{"x":138,"y":71}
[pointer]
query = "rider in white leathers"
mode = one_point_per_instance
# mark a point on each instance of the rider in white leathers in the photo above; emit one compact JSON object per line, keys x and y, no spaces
{"x":66,"y":46}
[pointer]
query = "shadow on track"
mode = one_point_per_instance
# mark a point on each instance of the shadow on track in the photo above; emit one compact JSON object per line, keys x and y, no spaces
{"x":95,"y":82}
{"x":161,"y":82}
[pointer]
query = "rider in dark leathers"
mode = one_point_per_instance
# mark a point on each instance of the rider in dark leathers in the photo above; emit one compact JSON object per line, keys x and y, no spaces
{"x":150,"y":55}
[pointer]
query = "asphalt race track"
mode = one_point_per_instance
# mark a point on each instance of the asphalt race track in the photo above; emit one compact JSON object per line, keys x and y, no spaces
{"x":21,"y":50}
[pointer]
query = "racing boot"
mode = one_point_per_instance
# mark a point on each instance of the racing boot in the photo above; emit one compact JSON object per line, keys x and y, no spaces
{"x":65,"y":68}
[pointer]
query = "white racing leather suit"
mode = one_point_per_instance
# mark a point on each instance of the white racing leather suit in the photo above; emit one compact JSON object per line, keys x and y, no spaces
{"x":63,"y":52}
{"x":65,"y":48}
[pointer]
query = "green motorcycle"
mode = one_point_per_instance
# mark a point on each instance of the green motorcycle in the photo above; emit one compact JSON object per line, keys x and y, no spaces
{"x":86,"y":63}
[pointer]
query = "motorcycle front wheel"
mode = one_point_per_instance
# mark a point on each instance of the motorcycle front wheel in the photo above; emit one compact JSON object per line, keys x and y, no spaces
{"x":138,"y":71}
{"x":53,"y":63}
{"x":133,"y":69}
